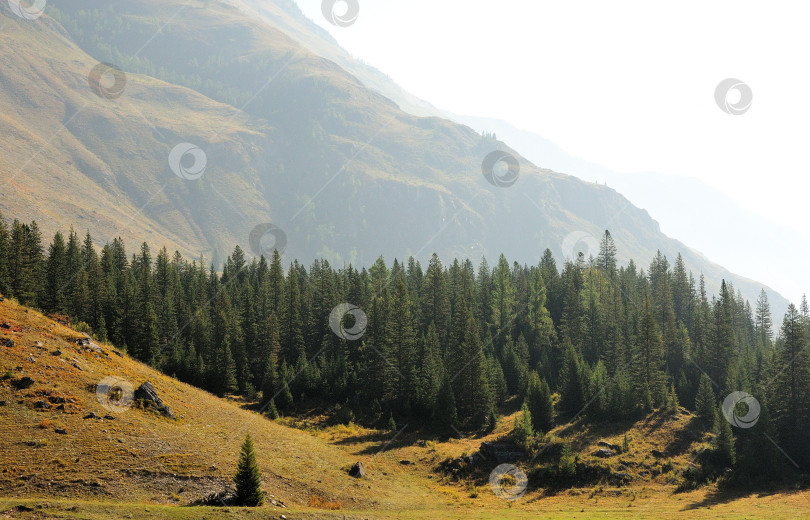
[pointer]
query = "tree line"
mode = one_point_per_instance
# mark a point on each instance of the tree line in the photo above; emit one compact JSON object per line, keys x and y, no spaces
{"x":443,"y":347}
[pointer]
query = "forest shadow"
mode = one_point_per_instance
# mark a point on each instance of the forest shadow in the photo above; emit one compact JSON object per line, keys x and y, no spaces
{"x":684,"y":437}
{"x":725,"y":496}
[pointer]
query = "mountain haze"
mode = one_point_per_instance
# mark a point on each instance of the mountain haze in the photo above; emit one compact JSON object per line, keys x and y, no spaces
{"x":295,"y":132}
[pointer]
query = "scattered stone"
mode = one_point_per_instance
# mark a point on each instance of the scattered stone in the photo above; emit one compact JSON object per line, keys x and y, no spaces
{"x":147,"y":394}
{"x":117,"y":353}
{"x":42,"y":405}
{"x":91,"y":415}
{"x":7,"y":342}
{"x":109,"y":417}
{"x":658,"y":454}
{"x":23,"y":383}
{"x":5,"y":325}
{"x":76,"y":366}
{"x":358,"y":470}
{"x":405,"y":462}
{"x":32,"y":359}
{"x":61,"y":431}
{"x":56,"y":353}
{"x":604,"y":453}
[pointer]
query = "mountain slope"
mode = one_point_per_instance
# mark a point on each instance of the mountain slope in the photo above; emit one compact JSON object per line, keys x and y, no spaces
{"x":136,"y":455}
{"x":345,"y":173}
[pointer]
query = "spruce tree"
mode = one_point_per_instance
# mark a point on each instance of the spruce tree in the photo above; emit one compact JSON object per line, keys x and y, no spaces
{"x":55,"y":276}
{"x":248,"y":479}
{"x":706,"y":402}
{"x":538,"y":400}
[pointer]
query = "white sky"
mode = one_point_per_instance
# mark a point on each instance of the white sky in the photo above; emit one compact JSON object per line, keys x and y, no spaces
{"x":626,"y":84}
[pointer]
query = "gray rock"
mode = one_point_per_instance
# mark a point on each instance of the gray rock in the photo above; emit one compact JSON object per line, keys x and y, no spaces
{"x":358,"y":470}
{"x":501,"y":452}
{"x":604,"y":453}
{"x":622,"y":477}
{"x":7,"y":342}
{"x":147,"y":394}
{"x":613,"y":447}
{"x":42,"y":405}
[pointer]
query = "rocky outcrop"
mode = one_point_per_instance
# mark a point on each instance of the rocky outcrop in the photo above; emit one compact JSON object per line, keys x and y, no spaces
{"x":501,"y":452}
{"x":148,"y":397}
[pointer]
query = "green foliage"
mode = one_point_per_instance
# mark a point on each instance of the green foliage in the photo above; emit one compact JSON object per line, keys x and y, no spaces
{"x":523,"y":425}
{"x":248,"y":479}
{"x":725,"y":452}
{"x":538,"y":400}
{"x":706,"y":402}
{"x":567,"y":465}
{"x":441,"y":350}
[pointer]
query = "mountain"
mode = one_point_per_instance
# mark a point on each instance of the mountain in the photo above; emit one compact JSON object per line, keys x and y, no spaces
{"x":286,"y":136}
{"x":684,"y":206}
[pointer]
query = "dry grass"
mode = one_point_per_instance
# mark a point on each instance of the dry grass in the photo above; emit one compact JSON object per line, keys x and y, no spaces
{"x":317,"y":502}
{"x":128,"y":466}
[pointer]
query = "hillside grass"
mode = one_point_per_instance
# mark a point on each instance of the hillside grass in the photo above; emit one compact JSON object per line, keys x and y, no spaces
{"x":142,"y":465}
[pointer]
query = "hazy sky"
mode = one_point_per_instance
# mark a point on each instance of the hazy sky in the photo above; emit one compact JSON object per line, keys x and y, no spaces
{"x":626,"y":84}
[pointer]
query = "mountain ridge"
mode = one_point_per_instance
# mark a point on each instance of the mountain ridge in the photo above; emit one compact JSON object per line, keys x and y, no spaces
{"x":312,"y":127}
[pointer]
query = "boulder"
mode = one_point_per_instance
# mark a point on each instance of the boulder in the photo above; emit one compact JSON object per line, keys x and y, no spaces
{"x":501,"y":452}
{"x":5,"y":325}
{"x":604,"y":453}
{"x":613,"y":447}
{"x":147,"y":394}
{"x":7,"y":342}
{"x":358,"y":470}
{"x":42,"y":405}
{"x":621,"y":477}
{"x":23,"y":383}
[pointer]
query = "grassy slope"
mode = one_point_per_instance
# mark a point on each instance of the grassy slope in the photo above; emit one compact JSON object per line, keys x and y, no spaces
{"x":140,"y":456}
{"x":144,"y":465}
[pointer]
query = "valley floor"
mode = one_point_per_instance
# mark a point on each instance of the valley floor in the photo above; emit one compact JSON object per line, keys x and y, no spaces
{"x":696,"y":505}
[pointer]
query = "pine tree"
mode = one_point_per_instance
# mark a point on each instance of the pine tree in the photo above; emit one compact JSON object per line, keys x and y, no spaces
{"x":55,"y":276}
{"x":706,"y":402}
{"x":248,"y":478}
{"x":431,"y":371}
{"x":435,"y":305}
{"x":503,"y":297}
{"x":724,"y":449}
{"x":445,"y":416}
{"x":5,"y":244}
{"x":606,"y":261}
{"x":292,"y":325}
{"x":538,"y":400}
{"x":468,"y":371}
{"x":523,"y":425}
{"x":791,"y":408}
